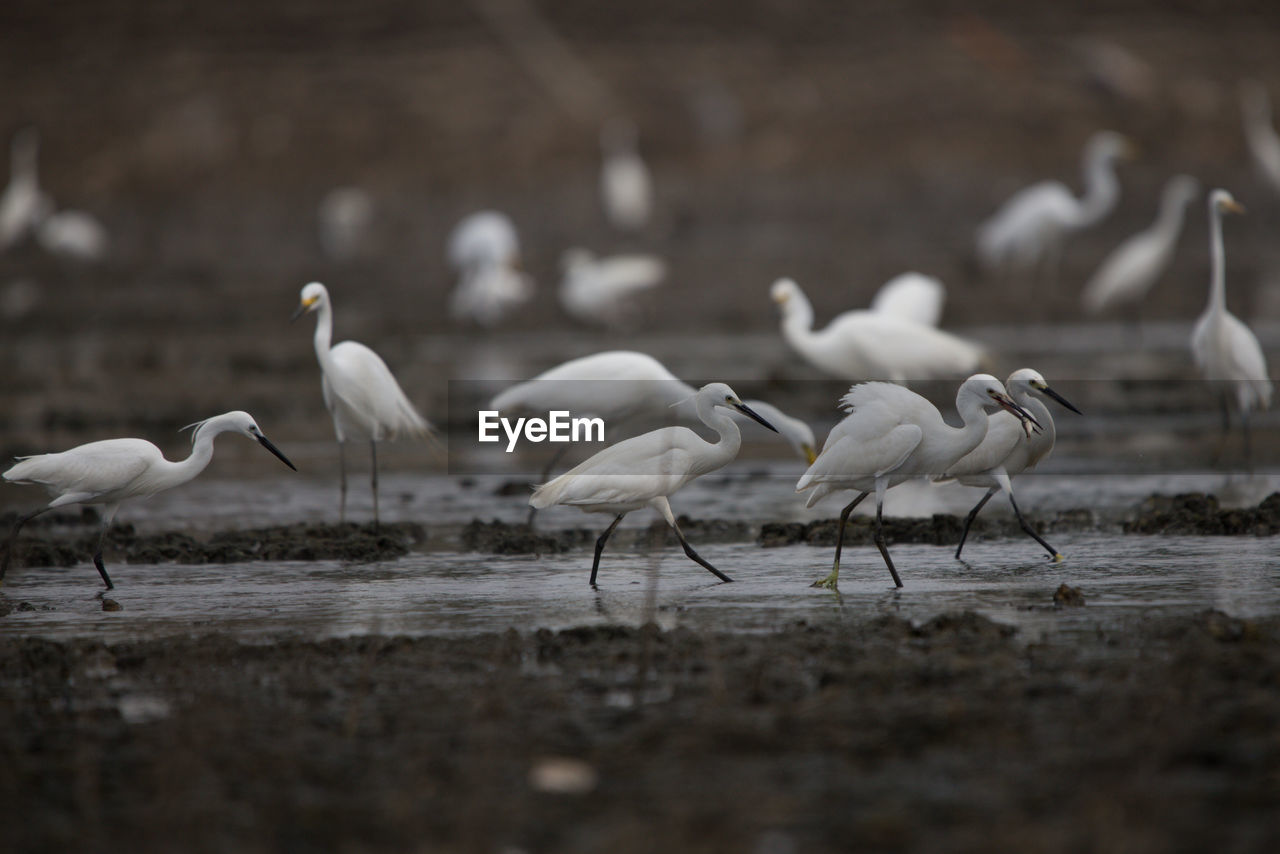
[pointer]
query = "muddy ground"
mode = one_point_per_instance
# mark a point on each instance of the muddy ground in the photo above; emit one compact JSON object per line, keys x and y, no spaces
{"x":954,"y":735}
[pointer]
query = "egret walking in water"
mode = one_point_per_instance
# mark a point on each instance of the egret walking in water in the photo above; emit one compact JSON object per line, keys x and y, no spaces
{"x":860,"y":345}
{"x":114,"y":470}
{"x":360,"y":393}
{"x":644,"y":470}
{"x":1007,"y":450}
{"x":1226,"y":351}
{"x":23,"y":205}
{"x":891,"y":435}
{"x":1133,"y":267}
{"x":485,"y":250}
{"x":599,"y":291}
{"x":1030,"y":227}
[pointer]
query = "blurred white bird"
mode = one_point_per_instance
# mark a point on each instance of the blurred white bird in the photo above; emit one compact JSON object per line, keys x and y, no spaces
{"x":1007,"y":450}
{"x":911,"y":296}
{"x":598,"y":290}
{"x":644,"y":470}
{"x":344,"y":218}
{"x":1261,"y":136}
{"x":626,"y":188}
{"x":73,"y":234}
{"x":485,"y":250}
{"x":360,"y":393}
{"x":860,"y":345}
{"x":114,"y":470}
{"x":891,"y":435}
{"x":1225,"y":350}
{"x":1127,"y":274}
{"x":23,"y":205}
{"x":1030,"y":227}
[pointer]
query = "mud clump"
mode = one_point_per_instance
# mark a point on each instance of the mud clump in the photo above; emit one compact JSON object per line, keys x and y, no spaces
{"x":1195,"y":513}
{"x":505,"y":538}
{"x":1067,"y":596}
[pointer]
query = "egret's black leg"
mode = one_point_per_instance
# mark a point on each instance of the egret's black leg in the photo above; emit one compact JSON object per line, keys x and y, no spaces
{"x":342,"y":481}
{"x":884,"y":547}
{"x":13,"y":538}
{"x":373,"y":479}
{"x":973,"y":515}
{"x":1053,"y":553}
{"x":595,"y":564}
{"x":832,"y":580}
{"x":688,"y":549}
{"x":546,"y":473}
{"x":97,"y":556}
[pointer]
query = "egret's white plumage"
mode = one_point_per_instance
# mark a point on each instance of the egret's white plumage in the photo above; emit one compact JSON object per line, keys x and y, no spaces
{"x":1259,"y":133}
{"x":485,"y":250}
{"x":345,"y":219}
{"x":360,"y":391}
{"x":1225,"y":349}
{"x":112,"y":471}
{"x":1007,"y":450}
{"x":1127,"y":274}
{"x":23,"y":205}
{"x":626,"y":187}
{"x":860,"y":345}
{"x":1031,"y":226}
{"x":598,"y":290}
{"x":911,"y":296}
{"x":890,"y":435}
{"x":646,"y":469}
{"x":74,"y":234}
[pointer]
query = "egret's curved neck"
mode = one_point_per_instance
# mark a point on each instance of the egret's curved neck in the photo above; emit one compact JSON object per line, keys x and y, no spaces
{"x":797,"y":320}
{"x":1217,"y":282}
{"x":730,"y":436}
{"x":974,"y":415}
{"x":324,"y":331}
{"x":1101,"y":189}
{"x":1033,"y":404}
{"x":177,"y":473}
{"x":1169,"y":220}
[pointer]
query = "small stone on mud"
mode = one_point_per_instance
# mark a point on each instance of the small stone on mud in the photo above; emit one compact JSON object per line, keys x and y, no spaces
{"x":559,"y":775}
{"x":111,"y":605}
{"x":1067,"y":596}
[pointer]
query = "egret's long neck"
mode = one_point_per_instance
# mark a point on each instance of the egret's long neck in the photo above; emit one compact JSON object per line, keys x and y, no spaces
{"x":730,"y":441}
{"x":1217,"y":282}
{"x":797,"y":321}
{"x":324,"y":332}
{"x":1169,"y":220}
{"x":1048,"y":433}
{"x":969,"y":436}
{"x":1101,"y":189}
{"x":178,"y":473}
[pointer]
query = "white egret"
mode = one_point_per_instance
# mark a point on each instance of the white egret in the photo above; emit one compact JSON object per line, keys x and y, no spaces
{"x":345,"y":219}
{"x":890,"y":435}
{"x":911,"y":296}
{"x":1127,"y":274}
{"x":1031,"y":226}
{"x":360,"y":393}
{"x":485,"y":250}
{"x":1259,"y":133}
{"x":626,"y":188}
{"x":644,"y":470}
{"x":1007,"y":450}
{"x":1225,"y":350}
{"x":73,"y":234}
{"x":114,"y":470}
{"x":597,"y":290}
{"x":860,"y":345}
{"x":23,"y":205}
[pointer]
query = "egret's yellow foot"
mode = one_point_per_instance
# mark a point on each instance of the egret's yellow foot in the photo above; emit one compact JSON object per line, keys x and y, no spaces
{"x":829,"y":582}
{"x":1058,"y":557}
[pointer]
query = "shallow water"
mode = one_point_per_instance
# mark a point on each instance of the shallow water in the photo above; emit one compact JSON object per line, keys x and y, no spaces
{"x":1121,"y":578}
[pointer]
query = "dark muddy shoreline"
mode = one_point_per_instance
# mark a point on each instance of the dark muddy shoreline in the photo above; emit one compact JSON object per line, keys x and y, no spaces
{"x":952,"y":735}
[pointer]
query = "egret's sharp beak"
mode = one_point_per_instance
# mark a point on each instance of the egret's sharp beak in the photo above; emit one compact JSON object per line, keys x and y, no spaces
{"x":1060,"y":399}
{"x":266,"y":443}
{"x":303,"y":308}
{"x":1017,"y":411}
{"x":750,"y":413}
{"x":1232,"y":206}
{"x":809,"y":454}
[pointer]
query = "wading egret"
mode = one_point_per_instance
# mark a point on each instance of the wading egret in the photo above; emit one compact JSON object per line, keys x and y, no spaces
{"x":598,"y":290}
{"x":485,"y":250}
{"x":890,"y":435}
{"x":23,"y":205}
{"x":1031,"y":226}
{"x":861,"y":345}
{"x":626,"y":189}
{"x":1134,"y":266}
{"x":360,"y":393}
{"x":1007,"y":450}
{"x":73,"y":234}
{"x":114,"y":470}
{"x":1225,"y":350}
{"x":345,"y":219}
{"x":911,"y":296}
{"x":644,"y":470}
{"x":1259,"y":133}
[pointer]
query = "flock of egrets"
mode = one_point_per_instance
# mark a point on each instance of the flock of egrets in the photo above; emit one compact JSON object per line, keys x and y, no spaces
{"x":888,"y":435}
